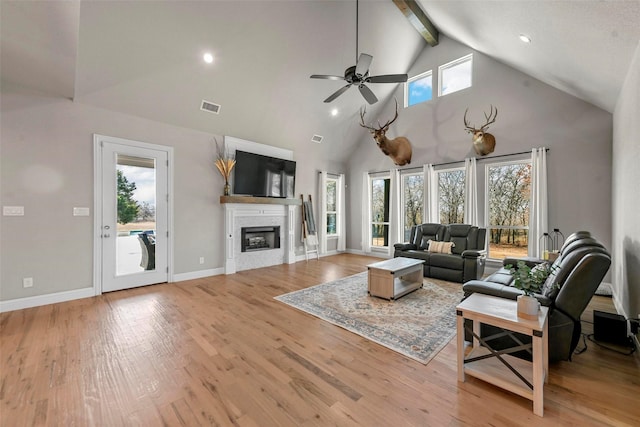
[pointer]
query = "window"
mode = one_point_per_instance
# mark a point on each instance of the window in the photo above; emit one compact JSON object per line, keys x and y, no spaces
{"x":380,"y":191}
{"x":455,"y":76}
{"x":418,"y":89}
{"x":332,"y":207}
{"x":451,"y":196}
{"x":507,"y":206}
{"x":412,"y":202}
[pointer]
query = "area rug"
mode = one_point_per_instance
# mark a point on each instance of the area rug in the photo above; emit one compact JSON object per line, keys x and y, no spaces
{"x":417,"y":325}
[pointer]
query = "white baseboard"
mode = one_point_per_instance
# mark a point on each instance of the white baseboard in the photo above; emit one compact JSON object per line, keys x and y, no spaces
{"x":198,"y":274}
{"x":355,"y":252}
{"x":36,"y":301}
{"x":303,"y":257}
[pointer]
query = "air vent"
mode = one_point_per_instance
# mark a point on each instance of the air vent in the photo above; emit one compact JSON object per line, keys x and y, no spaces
{"x":317,"y":139}
{"x":210,"y":107}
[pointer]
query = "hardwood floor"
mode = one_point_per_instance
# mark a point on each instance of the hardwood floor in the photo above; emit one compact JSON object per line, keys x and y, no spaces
{"x":222,"y":351}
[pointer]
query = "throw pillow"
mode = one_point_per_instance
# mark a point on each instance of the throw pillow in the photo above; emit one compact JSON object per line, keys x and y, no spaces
{"x":440,"y":247}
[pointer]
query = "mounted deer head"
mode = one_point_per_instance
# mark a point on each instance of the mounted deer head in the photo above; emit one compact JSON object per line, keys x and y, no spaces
{"x":483,"y":142}
{"x":399,"y":149}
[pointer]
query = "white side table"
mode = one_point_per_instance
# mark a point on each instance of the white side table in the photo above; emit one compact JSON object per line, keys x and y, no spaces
{"x":498,"y":367}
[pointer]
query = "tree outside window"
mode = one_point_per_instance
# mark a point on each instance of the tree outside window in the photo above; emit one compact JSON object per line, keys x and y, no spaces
{"x":412,"y":202}
{"x":127,"y":206}
{"x":332,"y":210}
{"x":380,"y":190}
{"x":451,"y":196}
{"x":508,"y":201}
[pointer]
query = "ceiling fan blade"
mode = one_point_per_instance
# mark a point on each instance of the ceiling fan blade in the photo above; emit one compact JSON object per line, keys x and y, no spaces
{"x":322,"y":76}
{"x":388,"y":78}
{"x":364,"y":62}
{"x":337,"y":93}
{"x":367,"y":94}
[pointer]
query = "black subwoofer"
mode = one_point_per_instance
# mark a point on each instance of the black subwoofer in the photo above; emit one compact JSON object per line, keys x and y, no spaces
{"x":608,"y":327}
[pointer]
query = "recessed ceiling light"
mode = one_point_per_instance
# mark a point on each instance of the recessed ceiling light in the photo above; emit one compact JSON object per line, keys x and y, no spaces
{"x":525,"y":38}
{"x":334,"y":112}
{"x":208,"y":58}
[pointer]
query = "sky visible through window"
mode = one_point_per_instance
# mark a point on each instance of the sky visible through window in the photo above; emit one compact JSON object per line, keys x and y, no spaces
{"x":456,"y":77}
{"x":145,"y":179}
{"x":420,"y":90}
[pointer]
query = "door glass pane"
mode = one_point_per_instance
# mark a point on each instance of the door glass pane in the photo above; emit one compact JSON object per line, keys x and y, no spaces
{"x":136,"y":220}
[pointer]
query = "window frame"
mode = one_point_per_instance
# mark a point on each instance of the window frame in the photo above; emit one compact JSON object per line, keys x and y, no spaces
{"x":403,"y":204}
{"x":413,"y":79}
{"x":372,"y":177}
{"x":328,"y":212}
{"x":452,"y":64}
{"x":487,"y":200}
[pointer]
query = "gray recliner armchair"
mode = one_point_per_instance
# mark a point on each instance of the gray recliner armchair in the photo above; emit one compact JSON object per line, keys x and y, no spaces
{"x":579,"y":269}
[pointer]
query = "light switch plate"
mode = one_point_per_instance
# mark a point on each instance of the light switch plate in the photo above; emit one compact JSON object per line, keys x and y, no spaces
{"x":80,"y":211}
{"x":13,"y":210}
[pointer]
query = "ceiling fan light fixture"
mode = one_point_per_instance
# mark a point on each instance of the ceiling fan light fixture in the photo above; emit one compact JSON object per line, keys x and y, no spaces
{"x":357,"y":75}
{"x":208,"y":58}
{"x":334,"y":112}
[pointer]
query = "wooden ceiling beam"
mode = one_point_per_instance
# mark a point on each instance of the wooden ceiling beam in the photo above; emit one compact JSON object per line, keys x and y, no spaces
{"x":412,"y":11}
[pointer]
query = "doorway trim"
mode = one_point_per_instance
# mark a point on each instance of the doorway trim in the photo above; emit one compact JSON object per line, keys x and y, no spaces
{"x":98,"y":141}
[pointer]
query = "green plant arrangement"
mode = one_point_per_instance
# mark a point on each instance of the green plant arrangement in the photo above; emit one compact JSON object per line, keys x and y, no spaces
{"x":530,"y":280}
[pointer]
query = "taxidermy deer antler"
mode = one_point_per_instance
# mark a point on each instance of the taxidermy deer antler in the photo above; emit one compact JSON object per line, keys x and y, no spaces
{"x":399,"y":149}
{"x":483,"y":142}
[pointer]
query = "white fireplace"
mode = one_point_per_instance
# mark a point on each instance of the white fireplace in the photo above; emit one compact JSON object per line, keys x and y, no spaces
{"x":250,"y":213}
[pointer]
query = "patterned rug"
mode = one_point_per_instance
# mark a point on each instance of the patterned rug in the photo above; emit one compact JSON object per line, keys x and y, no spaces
{"x":417,"y":325}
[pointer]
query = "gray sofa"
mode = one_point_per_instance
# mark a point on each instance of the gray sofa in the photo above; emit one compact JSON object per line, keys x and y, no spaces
{"x":467,"y":260}
{"x":581,"y":265}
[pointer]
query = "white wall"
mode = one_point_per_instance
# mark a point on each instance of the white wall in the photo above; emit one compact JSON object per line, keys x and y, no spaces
{"x":47,"y":167}
{"x":626,"y":193}
{"x":530,"y":114}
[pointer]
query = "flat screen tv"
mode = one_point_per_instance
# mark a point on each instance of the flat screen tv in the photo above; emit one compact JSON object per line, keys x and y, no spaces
{"x":263,"y":176}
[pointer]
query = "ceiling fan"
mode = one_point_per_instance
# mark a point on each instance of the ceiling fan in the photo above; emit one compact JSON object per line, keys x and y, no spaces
{"x":359,"y":75}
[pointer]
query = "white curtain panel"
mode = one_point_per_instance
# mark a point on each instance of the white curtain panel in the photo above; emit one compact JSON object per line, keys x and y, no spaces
{"x":394,"y":210}
{"x":366,"y":222}
{"x":470,"y":192}
{"x":322,"y":229}
{"x":342,"y":214}
{"x":430,"y":194}
{"x":538,"y":210}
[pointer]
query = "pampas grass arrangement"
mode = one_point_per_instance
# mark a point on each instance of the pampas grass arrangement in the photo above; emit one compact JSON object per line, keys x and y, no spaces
{"x":225,"y":163}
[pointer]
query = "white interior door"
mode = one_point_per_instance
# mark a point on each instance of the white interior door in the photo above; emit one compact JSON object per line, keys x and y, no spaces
{"x":133,"y":218}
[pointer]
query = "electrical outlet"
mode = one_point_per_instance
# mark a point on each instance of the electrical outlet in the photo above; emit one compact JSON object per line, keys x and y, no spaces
{"x":201,"y":260}
{"x":13,"y":210}
{"x":27,"y":282}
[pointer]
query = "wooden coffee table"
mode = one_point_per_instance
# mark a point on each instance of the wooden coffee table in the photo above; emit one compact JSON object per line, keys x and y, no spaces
{"x":393,"y":278}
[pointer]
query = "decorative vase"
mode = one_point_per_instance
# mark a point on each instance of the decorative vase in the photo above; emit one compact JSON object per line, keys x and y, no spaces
{"x":227,"y":188}
{"x":528,"y":307}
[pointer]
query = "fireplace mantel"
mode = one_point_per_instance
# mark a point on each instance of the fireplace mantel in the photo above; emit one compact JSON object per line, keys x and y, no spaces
{"x":259,"y":200}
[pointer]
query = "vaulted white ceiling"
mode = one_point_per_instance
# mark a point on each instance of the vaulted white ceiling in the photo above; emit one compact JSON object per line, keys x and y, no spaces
{"x":144,"y":58}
